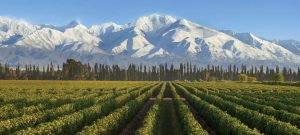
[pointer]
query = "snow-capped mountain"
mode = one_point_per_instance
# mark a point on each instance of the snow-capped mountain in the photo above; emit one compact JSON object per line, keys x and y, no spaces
{"x":291,"y":45}
{"x":150,"y":39}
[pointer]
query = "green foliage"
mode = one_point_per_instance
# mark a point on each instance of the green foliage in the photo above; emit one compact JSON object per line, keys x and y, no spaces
{"x":279,"y":114}
{"x":278,"y":78}
{"x":243,"y":77}
{"x":188,"y":122}
{"x":91,"y":107}
{"x":263,"y":122}
{"x":251,"y":79}
{"x":117,"y":119}
{"x":79,"y":114}
{"x":213,"y":79}
{"x":221,"y":121}
{"x":151,"y":120}
{"x":76,"y":70}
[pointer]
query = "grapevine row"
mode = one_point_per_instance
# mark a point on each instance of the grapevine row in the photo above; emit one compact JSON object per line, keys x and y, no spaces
{"x":218,"y":119}
{"x":112,"y":123}
{"x":70,"y":124}
{"x":264,"y":123}
{"x":188,"y":122}
{"x":151,"y":120}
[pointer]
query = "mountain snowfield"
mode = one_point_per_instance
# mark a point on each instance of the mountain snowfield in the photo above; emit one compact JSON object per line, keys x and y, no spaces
{"x":152,"y":39}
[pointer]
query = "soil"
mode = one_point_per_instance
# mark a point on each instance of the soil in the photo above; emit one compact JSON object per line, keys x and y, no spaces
{"x":137,"y":121}
{"x":197,"y":116}
{"x":201,"y":121}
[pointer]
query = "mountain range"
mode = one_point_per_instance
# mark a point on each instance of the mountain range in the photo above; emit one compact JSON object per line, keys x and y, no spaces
{"x":151,"y":39}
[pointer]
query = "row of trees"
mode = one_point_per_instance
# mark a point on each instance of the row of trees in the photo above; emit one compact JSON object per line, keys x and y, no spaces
{"x":75,"y":70}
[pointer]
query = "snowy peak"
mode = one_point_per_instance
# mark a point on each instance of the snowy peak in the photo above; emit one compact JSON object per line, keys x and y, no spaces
{"x":291,"y":45}
{"x":9,"y":27}
{"x":249,"y":38}
{"x":73,"y":25}
{"x":184,"y":23}
{"x":12,"y":30}
{"x":274,"y":50}
{"x":41,"y":26}
{"x":150,"y":39}
{"x":106,"y":28}
{"x":153,"y":22}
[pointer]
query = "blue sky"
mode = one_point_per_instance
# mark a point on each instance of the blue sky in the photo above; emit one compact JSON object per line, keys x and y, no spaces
{"x":266,"y":18}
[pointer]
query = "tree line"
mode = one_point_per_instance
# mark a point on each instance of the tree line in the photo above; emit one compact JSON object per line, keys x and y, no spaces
{"x":75,"y":70}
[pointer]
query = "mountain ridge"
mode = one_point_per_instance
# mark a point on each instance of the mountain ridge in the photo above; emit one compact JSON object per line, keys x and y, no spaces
{"x":152,"y":39}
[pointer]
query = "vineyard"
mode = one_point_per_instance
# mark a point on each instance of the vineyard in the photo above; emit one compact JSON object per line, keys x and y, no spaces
{"x":148,"y":108}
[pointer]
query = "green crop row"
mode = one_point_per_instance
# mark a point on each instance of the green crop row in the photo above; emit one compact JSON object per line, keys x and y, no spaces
{"x":264,"y":123}
{"x":112,"y":123}
{"x":186,"y":117}
{"x":222,"y":122}
{"x":151,"y":120}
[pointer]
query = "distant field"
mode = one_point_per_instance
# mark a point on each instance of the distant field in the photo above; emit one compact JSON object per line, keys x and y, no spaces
{"x":148,"y":108}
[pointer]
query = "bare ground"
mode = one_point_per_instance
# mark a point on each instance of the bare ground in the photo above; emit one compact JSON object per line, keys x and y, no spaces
{"x":137,"y":121}
{"x":197,"y":116}
{"x":201,"y":121}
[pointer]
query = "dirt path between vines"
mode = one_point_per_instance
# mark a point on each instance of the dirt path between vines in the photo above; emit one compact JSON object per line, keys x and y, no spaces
{"x":137,"y":121}
{"x":197,"y":116}
{"x":201,"y":121}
